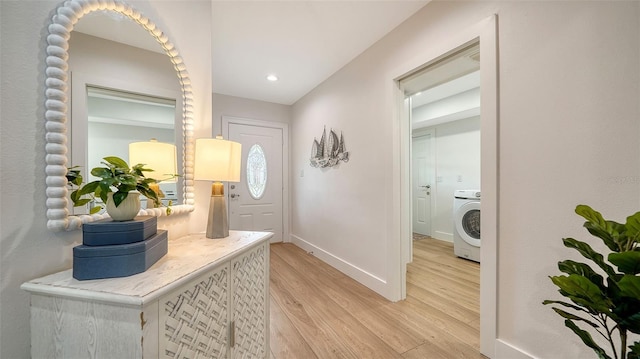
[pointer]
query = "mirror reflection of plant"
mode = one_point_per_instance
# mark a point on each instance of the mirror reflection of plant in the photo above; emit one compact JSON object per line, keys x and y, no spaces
{"x":116,"y":174}
{"x":603,"y":306}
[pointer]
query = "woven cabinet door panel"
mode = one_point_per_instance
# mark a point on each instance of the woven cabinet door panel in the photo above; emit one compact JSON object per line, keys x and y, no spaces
{"x":194,"y":319}
{"x":250,"y":314}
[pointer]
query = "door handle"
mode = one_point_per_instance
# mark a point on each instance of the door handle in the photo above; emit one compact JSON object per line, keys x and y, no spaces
{"x":233,"y":195}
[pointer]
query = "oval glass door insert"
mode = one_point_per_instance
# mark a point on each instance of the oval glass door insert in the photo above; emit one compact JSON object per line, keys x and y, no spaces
{"x":256,"y":171}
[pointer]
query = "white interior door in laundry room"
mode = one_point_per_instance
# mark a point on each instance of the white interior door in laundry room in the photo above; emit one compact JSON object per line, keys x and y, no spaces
{"x":422,"y":173}
{"x":256,"y":202}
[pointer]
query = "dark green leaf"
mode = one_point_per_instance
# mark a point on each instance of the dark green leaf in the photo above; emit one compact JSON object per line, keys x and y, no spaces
{"x":117,"y":162}
{"x":75,"y":196}
{"x":633,"y":225}
{"x":630,"y":314}
{"x":127,"y":179}
{"x":591,"y":215}
{"x":635,"y":351}
{"x":569,"y":305}
{"x":77,"y":181}
{"x":118,"y":197}
{"x":102,"y":191}
{"x":630,"y":286}
{"x":74,"y":176}
{"x":599,"y":227}
{"x":149,"y":180}
{"x":141,"y":167}
{"x":588,"y":253}
{"x":571,"y":267}
{"x":101,"y":172}
{"x":126,"y":187}
{"x":82,"y":202}
{"x":587,"y":339}
{"x":627,"y":262}
{"x":609,"y":239}
{"x":582,"y":292}
{"x":571,"y":316}
{"x":88,"y":188}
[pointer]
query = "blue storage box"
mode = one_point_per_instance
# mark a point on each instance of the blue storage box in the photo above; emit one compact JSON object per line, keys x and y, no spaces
{"x":108,"y":232}
{"x":120,"y":260}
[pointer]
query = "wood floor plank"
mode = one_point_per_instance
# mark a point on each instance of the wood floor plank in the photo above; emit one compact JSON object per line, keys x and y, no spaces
{"x":324,"y":313}
{"x":363,"y":304}
{"x":286,"y":341}
{"x":319,"y":336}
{"x":318,"y":312}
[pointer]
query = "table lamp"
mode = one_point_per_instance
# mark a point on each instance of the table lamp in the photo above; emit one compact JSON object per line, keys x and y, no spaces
{"x":217,"y":160}
{"x":158,"y":156}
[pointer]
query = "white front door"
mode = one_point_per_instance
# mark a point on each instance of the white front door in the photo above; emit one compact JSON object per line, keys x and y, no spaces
{"x":255,"y":203}
{"x":422,"y":167}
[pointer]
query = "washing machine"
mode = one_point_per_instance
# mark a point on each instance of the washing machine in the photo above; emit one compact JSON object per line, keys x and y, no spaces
{"x":466,"y":232}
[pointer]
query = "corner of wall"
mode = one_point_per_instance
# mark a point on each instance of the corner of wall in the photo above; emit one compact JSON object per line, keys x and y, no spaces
{"x":365,"y":278}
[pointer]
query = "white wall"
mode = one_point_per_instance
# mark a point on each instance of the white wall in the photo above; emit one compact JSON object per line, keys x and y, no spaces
{"x":225,"y":105}
{"x":457,"y":166}
{"x":568,"y":129}
{"x":27,"y":249}
{"x":106,"y":139}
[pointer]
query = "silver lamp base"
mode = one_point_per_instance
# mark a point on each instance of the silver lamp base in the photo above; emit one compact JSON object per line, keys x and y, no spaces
{"x":217,"y":224}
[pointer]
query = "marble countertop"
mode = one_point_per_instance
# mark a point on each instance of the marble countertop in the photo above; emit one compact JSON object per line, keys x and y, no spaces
{"x":187,"y":258}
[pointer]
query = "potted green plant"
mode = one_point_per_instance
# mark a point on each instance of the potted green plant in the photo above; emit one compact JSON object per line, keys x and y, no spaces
{"x":605,"y":299}
{"x":127,"y":181}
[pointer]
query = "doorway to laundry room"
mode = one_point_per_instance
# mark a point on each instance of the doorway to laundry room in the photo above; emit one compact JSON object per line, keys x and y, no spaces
{"x":442,"y":104}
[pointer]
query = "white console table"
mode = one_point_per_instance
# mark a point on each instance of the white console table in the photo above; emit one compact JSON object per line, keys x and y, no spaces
{"x":207,"y":298}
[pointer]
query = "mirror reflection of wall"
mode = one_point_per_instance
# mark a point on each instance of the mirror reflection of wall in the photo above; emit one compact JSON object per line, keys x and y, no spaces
{"x":121,"y":94}
{"x":117,"y":118}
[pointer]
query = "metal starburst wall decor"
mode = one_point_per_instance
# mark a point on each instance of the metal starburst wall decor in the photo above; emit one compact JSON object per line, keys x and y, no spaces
{"x":329,"y":151}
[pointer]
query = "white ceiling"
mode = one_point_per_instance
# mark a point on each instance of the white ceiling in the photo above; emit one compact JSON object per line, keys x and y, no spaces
{"x":302,"y":42}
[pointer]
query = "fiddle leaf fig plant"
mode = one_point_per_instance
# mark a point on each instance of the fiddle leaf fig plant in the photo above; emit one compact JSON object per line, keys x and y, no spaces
{"x":604,"y":299}
{"x":117,"y":174}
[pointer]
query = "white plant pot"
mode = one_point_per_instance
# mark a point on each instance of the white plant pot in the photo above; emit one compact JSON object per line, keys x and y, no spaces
{"x":127,"y":209}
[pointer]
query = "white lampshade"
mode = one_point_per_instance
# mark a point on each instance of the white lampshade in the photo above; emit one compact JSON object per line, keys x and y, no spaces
{"x":158,"y":156}
{"x":217,"y":160}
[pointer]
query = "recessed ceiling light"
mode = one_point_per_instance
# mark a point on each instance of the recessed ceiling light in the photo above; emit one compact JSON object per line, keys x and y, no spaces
{"x":272,"y":78}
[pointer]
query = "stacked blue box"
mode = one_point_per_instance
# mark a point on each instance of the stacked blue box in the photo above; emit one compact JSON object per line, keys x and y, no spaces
{"x":109,"y":232}
{"x":118,"y":260}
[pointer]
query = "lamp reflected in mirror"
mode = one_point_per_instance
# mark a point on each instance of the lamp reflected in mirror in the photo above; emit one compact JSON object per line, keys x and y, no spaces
{"x":217,"y":160}
{"x":161,"y":158}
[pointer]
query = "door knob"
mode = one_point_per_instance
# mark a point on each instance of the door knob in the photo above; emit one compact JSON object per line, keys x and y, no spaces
{"x":233,"y":195}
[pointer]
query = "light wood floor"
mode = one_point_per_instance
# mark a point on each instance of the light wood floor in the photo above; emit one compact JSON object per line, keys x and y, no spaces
{"x":318,"y":312}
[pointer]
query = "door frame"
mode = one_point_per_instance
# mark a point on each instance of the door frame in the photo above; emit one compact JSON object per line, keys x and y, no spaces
{"x":486,"y":33}
{"x":227,"y":120}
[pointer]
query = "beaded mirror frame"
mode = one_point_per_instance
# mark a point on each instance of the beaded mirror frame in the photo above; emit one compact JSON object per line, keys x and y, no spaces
{"x":56,"y":112}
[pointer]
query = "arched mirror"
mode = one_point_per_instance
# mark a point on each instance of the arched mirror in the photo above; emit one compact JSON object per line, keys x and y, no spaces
{"x":100,"y":92}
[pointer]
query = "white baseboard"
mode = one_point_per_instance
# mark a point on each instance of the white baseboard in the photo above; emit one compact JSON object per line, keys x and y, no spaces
{"x":443,"y":236}
{"x":367,"y":279}
{"x":508,"y":351}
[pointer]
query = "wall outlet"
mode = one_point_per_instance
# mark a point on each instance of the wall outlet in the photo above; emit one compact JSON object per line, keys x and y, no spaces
{"x":439,"y":179}
{"x":459,"y":178}
{"x":301,"y":173}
